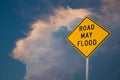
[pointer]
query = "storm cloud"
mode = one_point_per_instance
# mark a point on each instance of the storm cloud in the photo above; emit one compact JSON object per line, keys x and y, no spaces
{"x":46,"y":52}
{"x":48,"y":56}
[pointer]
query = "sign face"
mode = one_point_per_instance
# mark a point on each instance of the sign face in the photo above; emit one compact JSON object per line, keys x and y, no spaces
{"x":87,"y":36}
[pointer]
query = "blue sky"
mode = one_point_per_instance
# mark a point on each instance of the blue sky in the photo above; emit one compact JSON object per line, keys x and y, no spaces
{"x":33,"y":44}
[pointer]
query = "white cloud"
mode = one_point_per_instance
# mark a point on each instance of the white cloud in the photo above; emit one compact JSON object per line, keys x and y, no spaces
{"x":36,"y":49}
{"x":38,"y":38}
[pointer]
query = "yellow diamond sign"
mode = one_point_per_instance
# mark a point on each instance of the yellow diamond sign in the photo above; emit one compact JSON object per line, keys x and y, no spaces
{"x":87,"y":36}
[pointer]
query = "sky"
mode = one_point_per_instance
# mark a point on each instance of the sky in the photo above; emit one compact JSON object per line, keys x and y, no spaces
{"x":33,"y":43}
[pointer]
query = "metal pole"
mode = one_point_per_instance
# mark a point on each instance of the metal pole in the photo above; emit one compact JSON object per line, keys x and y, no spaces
{"x":87,"y":68}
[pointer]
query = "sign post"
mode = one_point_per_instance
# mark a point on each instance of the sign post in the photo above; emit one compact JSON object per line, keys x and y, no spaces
{"x":87,"y":68}
{"x":86,"y":38}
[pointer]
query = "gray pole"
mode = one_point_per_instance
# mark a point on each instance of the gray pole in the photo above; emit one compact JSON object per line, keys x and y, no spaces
{"x":87,"y":68}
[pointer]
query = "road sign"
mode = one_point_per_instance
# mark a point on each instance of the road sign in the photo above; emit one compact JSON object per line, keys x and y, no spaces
{"x":87,"y":36}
